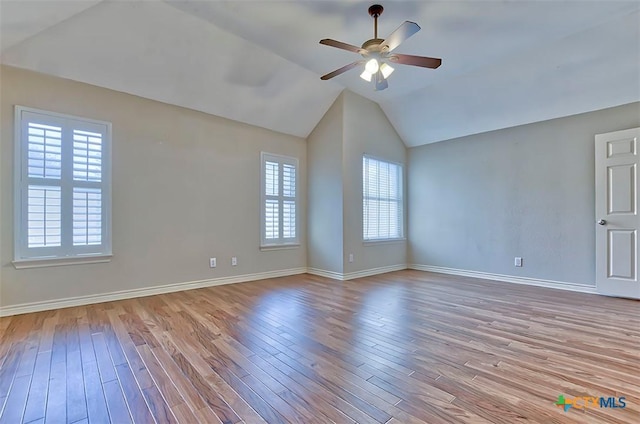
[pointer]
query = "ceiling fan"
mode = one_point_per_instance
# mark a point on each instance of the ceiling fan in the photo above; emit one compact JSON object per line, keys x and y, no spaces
{"x":377,"y":53}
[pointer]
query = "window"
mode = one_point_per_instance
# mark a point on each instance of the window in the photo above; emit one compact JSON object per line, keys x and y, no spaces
{"x":382,"y":207}
{"x":62,"y":188}
{"x":279,"y":201}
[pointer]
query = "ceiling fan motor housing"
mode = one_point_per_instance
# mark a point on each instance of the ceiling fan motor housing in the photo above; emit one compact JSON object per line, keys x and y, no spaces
{"x":373,"y":45}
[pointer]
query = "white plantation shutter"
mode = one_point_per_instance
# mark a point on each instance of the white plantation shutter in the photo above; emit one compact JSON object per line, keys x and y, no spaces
{"x":44,"y":151}
{"x":87,"y":156}
{"x":271,"y":204}
{"x":87,"y":190}
{"x":289,"y":219}
{"x":278,"y":223}
{"x":288,"y":201}
{"x":288,"y":180}
{"x":382,"y":200}
{"x":44,"y":218}
{"x":62,"y":186}
{"x":272,"y":175}
{"x":87,"y":216}
{"x":44,"y":166}
{"x":272,"y":218}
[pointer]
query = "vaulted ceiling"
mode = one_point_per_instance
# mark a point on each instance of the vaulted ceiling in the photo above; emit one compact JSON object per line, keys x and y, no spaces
{"x":505,"y":63}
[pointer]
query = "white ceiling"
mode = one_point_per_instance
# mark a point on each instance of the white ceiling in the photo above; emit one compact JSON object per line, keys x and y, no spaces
{"x":505,"y":63}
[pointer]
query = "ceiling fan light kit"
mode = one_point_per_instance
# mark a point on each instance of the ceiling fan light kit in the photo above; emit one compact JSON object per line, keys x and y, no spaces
{"x":376,"y":53}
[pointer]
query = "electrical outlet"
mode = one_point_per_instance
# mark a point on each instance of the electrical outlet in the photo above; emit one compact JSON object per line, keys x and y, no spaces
{"x":350,"y":257}
{"x":212,"y":262}
{"x":234,"y":261}
{"x":518,"y":261}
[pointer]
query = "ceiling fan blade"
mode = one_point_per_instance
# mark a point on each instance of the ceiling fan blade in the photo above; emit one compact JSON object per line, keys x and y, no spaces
{"x":407,"y":59}
{"x":341,"y":45}
{"x":341,"y":70}
{"x":404,"y":31}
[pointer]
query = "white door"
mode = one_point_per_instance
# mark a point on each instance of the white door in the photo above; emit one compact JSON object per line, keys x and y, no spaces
{"x":617,"y":220}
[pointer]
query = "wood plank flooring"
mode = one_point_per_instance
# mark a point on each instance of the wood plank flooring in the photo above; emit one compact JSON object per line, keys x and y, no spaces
{"x":405,"y":347}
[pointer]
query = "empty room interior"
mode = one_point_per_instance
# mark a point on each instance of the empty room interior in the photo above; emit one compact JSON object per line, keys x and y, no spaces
{"x":319,"y":211}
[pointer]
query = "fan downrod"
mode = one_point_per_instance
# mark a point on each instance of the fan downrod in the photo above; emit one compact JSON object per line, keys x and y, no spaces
{"x":375,"y":11}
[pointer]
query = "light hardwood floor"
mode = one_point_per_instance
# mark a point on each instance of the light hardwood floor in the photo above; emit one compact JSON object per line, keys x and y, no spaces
{"x":405,"y":347}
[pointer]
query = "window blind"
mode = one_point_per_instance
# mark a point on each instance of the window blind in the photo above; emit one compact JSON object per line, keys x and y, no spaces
{"x":382,"y":205}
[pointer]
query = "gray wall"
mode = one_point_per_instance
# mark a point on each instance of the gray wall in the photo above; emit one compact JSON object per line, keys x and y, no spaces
{"x":352,"y":127}
{"x":185,"y":188}
{"x":366,"y":130}
{"x":477,"y":202}
{"x":473,"y":203}
{"x":324,"y":155}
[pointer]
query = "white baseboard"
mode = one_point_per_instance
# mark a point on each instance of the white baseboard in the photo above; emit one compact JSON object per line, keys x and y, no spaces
{"x":373,"y":271}
{"x":582,"y":288}
{"x":356,"y":274}
{"x":325,"y":273}
{"x":148,"y":291}
{"x":169,"y":288}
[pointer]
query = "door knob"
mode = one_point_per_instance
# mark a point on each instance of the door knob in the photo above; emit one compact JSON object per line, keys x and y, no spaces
{"x":602,"y":222}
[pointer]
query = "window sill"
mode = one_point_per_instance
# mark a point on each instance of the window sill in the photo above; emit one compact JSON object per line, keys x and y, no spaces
{"x":385,"y":241}
{"x":47,"y":262}
{"x":280,"y":246}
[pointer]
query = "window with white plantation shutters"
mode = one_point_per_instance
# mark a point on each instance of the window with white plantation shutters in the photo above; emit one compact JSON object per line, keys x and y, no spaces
{"x":62,"y":193}
{"x":278,"y":221}
{"x":382,"y":200}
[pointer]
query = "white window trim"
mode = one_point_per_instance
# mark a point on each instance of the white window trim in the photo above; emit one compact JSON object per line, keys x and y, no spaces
{"x":21,"y":258}
{"x":372,"y":242}
{"x":57,"y":261}
{"x":402,"y":238}
{"x":280,"y":243}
